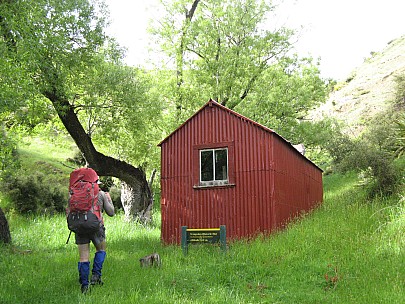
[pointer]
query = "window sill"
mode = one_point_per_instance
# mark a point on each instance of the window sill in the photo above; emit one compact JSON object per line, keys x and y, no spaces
{"x":201,"y":187}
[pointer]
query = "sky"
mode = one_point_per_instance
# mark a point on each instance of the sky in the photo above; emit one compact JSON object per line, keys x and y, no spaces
{"x":342,"y":33}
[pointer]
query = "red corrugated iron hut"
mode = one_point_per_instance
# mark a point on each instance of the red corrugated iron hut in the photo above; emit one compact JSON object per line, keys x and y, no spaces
{"x":221,"y":168}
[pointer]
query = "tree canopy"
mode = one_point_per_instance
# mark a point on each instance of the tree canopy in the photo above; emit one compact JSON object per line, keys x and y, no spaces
{"x":228,"y":51}
{"x":59,"y":55}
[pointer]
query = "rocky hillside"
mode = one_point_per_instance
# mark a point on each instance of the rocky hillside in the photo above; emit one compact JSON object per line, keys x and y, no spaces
{"x":368,"y":90}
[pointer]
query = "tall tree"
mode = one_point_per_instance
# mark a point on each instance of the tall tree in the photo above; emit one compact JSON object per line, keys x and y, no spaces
{"x":228,"y":50}
{"x":58,"y":50}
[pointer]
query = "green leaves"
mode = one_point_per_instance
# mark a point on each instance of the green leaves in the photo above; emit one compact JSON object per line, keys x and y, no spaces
{"x":58,"y":50}
{"x":229,"y":52}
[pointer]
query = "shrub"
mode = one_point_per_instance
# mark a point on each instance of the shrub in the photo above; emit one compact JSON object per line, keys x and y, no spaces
{"x":78,"y":159}
{"x":8,"y":154}
{"x":375,"y":166}
{"x":381,"y":175}
{"x":115,"y":194}
{"x":34,"y":194}
{"x":372,"y":154}
{"x":399,"y":143}
{"x":400,"y":91}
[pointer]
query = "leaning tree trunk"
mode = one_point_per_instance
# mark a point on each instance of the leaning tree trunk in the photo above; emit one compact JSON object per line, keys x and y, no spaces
{"x":5,"y":235}
{"x":136,"y":194}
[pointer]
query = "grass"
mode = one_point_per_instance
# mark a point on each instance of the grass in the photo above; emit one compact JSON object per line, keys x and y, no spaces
{"x":348,"y":250}
{"x":354,"y":243}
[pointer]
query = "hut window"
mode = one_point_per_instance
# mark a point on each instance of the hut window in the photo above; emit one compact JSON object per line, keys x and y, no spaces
{"x":214,"y":166}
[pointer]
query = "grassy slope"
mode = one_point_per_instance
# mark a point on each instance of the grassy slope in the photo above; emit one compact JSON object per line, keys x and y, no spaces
{"x":362,"y":244}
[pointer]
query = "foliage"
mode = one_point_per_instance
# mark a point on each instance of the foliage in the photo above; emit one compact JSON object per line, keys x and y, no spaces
{"x":32,"y":113}
{"x":129,"y":123}
{"x":377,"y":170}
{"x":8,"y":154}
{"x":50,"y":46}
{"x":61,"y":50}
{"x":229,"y":51}
{"x":34,"y":194}
{"x":284,"y":95}
{"x":322,"y":140}
{"x":381,"y":131}
{"x":400,"y":92}
{"x":40,"y":184}
{"x":359,"y":240}
{"x":78,"y":160}
{"x":372,"y":155}
{"x":399,"y":141}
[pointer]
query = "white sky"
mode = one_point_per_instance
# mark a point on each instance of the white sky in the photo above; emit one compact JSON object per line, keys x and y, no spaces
{"x":341,"y":32}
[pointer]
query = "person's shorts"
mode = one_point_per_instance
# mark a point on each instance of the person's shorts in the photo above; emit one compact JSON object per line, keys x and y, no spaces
{"x":96,"y":238}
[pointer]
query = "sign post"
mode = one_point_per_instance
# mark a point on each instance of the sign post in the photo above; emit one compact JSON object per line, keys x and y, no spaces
{"x":203,"y":236}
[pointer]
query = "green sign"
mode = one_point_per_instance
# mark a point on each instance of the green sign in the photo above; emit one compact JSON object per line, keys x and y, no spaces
{"x":203,"y":236}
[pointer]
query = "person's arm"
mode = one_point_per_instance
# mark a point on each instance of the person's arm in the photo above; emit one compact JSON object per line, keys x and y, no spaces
{"x":107,"y":204}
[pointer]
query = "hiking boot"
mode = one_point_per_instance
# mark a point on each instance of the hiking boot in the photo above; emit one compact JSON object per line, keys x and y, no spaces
{"x":85,"y":289}
{"x":96,"y":280}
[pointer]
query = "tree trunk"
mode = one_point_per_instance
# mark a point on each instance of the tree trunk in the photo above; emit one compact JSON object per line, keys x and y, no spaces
{"x":5,"y":235}
{"x":180,"y":57}
{"x":136,"y":195}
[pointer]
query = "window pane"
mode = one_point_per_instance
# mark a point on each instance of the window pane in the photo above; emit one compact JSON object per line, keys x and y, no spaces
{"x":221,"y":164}
{"x":207,"y":166}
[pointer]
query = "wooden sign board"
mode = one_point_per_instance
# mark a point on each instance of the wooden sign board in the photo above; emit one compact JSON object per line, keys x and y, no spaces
{"x":203,"y":236}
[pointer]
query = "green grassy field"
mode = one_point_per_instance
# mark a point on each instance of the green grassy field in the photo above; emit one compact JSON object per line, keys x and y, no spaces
{"x":358,"y":245}
{"x":349,"y":250}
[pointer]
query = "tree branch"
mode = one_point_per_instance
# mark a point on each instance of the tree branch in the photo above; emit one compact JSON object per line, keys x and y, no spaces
{"x":190,"y":13}
{"x":104,"y":165}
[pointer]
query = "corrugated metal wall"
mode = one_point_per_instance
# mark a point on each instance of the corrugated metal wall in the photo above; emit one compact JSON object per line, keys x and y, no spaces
{"x":269,"y":179}
{"x":298,"y":183}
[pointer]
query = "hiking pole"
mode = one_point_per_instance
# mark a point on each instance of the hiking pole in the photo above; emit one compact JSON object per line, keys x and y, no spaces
{"x":70,"y":233}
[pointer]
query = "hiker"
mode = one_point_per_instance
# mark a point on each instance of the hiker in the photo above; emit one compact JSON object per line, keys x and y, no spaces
{"x":98,"y":239}
{"x":82,"y":224}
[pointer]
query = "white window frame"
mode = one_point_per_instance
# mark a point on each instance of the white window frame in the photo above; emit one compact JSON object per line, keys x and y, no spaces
{"x":214,"y":182}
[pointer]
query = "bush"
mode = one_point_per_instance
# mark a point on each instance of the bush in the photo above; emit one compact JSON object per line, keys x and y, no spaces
{"x":115,"y":194}
{"x":78,"y":159}
{"x":400,"y":91}
{"x":381,"y":176}
{"x":372,"y":155}
{"x":33,"y":194}
{"x":8,"y":154}
{"x":378,"y":174}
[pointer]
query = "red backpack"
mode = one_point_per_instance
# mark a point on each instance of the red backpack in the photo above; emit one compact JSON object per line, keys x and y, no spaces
{"x":84,"y":214}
